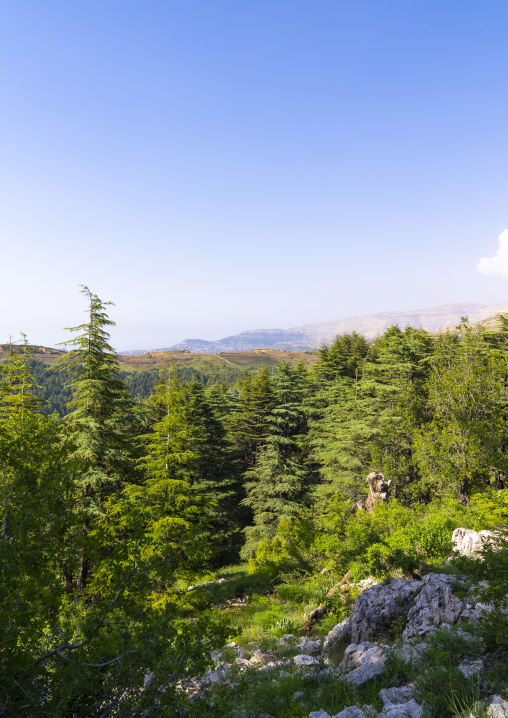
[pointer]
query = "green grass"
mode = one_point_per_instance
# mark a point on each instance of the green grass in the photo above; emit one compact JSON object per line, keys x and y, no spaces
{"x":273,"y":692}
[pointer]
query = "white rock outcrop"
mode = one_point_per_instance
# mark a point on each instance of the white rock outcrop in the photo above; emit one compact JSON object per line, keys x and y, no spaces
{"x":391,"y":696}
{"x":467,"y":542}
{"x":310,"y":647}
{"x":362,"y":662}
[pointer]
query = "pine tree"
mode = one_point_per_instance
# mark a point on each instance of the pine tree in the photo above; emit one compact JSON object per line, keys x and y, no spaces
{"x":277,"y":487}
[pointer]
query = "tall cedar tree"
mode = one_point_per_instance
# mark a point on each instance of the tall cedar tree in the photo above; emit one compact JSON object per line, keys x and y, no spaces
{"x":101,"y":423}
{"x":399,"y":368}
{"x":248,"y":425}
{"x":189,"y":445}
{"x":277,"y":487}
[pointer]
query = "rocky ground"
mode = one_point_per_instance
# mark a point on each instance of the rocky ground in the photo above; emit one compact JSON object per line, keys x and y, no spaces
{"x":358,"y":650}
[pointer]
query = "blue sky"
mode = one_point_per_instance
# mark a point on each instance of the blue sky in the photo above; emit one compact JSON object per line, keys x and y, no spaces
{"x":219,"y":166}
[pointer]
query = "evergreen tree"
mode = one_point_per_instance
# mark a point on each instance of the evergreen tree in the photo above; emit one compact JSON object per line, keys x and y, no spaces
{"x":366,"y":422}
{"x":102,"y":418}
{"x":344,"y":423}
{"x":277,"y":487}
{"x":189,"y":442}
{"x":101,"y":425}
{"x":344,"y":357}
{"x":248,"y":425}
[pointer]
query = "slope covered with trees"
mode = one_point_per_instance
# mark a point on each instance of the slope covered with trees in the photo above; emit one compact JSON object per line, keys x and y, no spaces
{"x":109,"y":511}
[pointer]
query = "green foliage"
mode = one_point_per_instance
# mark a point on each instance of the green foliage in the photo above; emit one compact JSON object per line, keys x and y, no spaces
{"x":343,"y":358}
{"x":463,"y":447}
{"x":278,"y":485}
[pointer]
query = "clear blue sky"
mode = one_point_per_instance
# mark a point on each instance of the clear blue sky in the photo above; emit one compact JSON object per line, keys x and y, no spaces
{"x":219,"y":166}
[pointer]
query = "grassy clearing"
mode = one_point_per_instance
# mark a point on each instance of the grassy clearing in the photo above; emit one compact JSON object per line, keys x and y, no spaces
{"x":270,"y":611}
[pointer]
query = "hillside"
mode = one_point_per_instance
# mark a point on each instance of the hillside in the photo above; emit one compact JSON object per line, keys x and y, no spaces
{"x":242,"y":360}
{"x":46,"y":355}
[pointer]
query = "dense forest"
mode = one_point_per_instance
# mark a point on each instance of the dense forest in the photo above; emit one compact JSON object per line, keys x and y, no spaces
{"x":120,"y":489}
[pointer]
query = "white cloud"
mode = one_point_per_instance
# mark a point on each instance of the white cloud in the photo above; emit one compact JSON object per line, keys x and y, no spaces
{"x":497,"y":265}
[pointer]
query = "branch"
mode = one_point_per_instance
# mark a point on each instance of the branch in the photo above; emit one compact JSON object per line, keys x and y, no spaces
{"x":56,"y":651}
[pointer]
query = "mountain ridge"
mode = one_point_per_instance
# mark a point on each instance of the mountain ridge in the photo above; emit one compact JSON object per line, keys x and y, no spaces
{"x":308,"y":337}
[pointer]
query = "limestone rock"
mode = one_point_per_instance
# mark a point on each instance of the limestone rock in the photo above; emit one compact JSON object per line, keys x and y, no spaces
{"x":259,"y":658}
{"x":412,"y":652}
{"x":470,"y":669}
{"x":366,"y":583}
{"x":304,"y":660}
{"x":311,"y":648}
{"x":467,"y":542}
{"x":435,"y":605}
{"x":396,"y":695}
{"x":369,"y":711}
{"x":288,"y":639}
{"x":351,"y":712}
{"x":362,"y":662}
{"x":319,"y":714}
{"x":341,"y":629}
{"x":378,"y":605}
{"x":498,"y":707}
{"x":411,"y":709}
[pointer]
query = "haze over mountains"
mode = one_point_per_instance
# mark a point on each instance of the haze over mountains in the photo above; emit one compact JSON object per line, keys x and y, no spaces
{"x":311,"y":336}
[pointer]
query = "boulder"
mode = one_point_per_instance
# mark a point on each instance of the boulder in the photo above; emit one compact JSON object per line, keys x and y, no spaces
{"x":351,"y":712}
{"x":311,"y":648}
{"x":412,"y":652}
{"x":319,"y":714}
{"x":362,"y":662}
{"x":304,"y":660}
{"x":411,"y":709}
{"x":467,"y":542}
{"x":391,"y":696}
{"x":288,"y":639}
{"x":336,"y":634}
{"x":470,"y":669}
{"x":378,"y":605}
{"x":497,"y":707}
{"x":259,"y":658}
{"x":370,"y":711}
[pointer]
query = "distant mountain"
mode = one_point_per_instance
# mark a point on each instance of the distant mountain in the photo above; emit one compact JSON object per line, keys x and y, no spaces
{"x":309,"y":337}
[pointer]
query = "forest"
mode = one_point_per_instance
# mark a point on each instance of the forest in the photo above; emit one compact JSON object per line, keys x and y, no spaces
{"x":117,"y":497}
